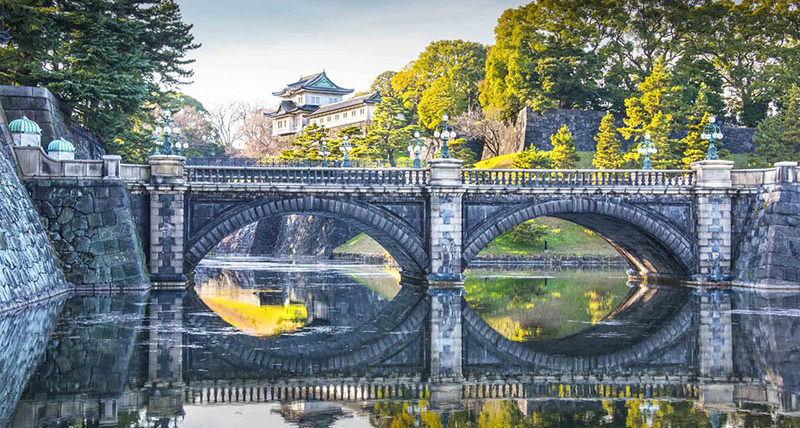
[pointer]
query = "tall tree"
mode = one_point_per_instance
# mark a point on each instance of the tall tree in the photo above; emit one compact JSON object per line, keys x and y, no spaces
{"x":306,"y":145}
{"x":389,"y":132}
{"x":694,"y":147}
{"x":754,"y":44}
{"x":563,"y":154}
{"x":778,"y":136}
{"x":608,"y":154}
{"x":651,"y":111}
{"x":106,"y":59}
{"x":448,"y":69}
{"x":546,"y":55}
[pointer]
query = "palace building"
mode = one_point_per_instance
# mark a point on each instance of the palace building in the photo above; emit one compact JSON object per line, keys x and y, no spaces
{"x":316,"y":99}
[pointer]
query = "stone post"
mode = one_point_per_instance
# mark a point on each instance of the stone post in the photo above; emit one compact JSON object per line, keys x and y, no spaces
{"x":786,"y":172}
{"x":167,"y":188}
{"x":712,"y":190}
{"x":111,"y":167}
{"x":445,"y":282}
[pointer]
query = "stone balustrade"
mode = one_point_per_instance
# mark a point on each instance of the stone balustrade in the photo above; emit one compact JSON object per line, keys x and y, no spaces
{"x":35,"y":163}
{"x":311,"y":175}
{"x":576,"y":177}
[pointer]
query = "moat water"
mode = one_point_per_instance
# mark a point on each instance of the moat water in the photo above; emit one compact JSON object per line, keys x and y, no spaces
{"x":270,"y":344}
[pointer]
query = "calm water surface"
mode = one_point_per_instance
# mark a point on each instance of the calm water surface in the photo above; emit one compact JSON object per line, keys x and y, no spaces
{"x":271,"y":345}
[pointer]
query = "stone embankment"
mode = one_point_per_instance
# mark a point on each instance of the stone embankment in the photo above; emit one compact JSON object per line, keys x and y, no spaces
{"x":91,"y":225}
{"x":29,"y":266}
{"x":768,"y":234}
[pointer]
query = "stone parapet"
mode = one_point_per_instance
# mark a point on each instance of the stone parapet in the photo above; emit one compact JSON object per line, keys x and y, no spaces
{"x":713,"y":173}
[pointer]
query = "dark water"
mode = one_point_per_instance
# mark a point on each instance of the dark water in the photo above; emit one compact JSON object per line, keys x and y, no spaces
{"x":317,"y":346}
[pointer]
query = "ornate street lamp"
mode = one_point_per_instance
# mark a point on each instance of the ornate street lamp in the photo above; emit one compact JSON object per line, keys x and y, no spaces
{"x":346,"y":148}
{"x":647,"y":148}
{"x":169,"y":136}
{"x":711,"y":133}
{"x":322,"y":149}
{"x":415,"y":146}
{"x":444,"y":131}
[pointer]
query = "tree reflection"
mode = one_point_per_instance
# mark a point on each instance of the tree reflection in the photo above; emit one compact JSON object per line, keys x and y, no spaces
{"x":525,"y":306}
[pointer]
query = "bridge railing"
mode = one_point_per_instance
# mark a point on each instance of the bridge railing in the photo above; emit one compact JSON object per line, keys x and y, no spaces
{"x":310,"y":176}
{"x":577,"y":177}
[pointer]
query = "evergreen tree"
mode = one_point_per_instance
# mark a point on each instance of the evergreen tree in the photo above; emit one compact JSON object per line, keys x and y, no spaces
{"x":306,"y":145}
{"x":531,"y":158}
{"x":778,"y":137}
{"x":563,"y":154}
{"x":771,"y":146}
{"x":694,"y":147}
{"x":791,"y":119}
{"x":608,"y":154}
{"x":389,"y":132}
{"x":108,"y":60}
{"x":651,"y":111}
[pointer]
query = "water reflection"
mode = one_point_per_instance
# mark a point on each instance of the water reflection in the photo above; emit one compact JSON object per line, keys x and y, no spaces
{"x":663,"y":356}
{"x":537,"y":305}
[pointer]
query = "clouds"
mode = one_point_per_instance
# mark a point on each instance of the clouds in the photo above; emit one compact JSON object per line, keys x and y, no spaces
{"x":251,"y":48}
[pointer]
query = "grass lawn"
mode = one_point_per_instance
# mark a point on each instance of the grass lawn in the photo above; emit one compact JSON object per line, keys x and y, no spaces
{"x":360,"y":244}
{"x":563,"y":238}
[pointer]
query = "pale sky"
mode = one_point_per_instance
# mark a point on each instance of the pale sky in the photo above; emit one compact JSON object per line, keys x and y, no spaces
{"x":252,"y":48}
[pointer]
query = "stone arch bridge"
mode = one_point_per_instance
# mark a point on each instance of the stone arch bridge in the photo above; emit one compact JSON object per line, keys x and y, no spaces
{"x":434,"y":221}
{"x":710,"y":223}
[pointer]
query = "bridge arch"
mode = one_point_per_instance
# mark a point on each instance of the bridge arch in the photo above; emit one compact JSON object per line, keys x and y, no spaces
{"x":647,"y":241}
{"x":394,"y":234}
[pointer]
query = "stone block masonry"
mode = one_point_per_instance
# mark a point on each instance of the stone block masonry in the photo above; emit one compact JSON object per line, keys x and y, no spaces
{"x":91,"y":225}
{"x":29,"y":266}
{"x":533,"y":128}
{"x":768,"y":236}
{"x":39,"y":105}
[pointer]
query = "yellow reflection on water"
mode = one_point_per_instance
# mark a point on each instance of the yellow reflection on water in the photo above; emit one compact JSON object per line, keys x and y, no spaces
{"x":242,"y":309}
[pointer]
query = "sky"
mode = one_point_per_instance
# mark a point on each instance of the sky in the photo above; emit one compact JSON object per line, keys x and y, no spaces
{"x":252,"y":48}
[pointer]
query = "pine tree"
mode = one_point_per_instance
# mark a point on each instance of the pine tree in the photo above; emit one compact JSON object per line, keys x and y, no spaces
{"x":563,"y":154}
{"x":389,"y":132}
{"x":109,"y":60}
{"x":778,"y":137}
{"x":652,"y":112}
{"x":306,"y":145}
{"x":770,"y":144}
{"x":791,"y":120}
{"x":608,"y":154}
{"x":532,"y":158}
{"x":694,"y":147}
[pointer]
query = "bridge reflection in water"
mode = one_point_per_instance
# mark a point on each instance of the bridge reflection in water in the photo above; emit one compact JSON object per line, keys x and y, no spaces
{"x":690,"y":356}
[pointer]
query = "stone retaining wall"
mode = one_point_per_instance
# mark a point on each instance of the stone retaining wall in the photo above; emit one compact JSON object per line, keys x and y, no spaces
{"x":535,"y":129}
{"x":29,"y":267}
{"x":92,"y":228}
{"x":42,"y":107}
{"x":767,"y":236}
